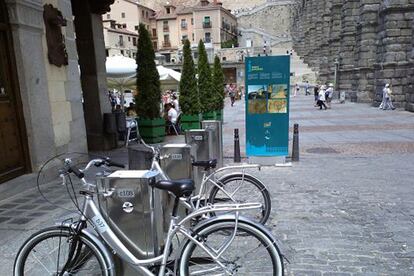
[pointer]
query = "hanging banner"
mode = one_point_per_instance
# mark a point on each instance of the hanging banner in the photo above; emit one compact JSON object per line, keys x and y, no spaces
{"x":267,"y":105}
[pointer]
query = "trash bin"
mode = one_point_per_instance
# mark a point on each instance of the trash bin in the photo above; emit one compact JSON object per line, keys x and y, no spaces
{"x":136,"y":213}
{"x":139,"y":157}
{"x":217,"y":139}
{"x":200,"y":140}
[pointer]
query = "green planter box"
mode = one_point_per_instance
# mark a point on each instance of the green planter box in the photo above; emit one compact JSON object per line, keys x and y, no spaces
{"x":190,"y":122}
{"x":209,"y":115}
{"x":152,"y":131}
{"x":219,"y":115}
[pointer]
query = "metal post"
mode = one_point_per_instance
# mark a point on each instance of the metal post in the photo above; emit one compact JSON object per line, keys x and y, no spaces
{"x":295,"y":146}
{"x":237,"y":158}
{"x":336,"y":75}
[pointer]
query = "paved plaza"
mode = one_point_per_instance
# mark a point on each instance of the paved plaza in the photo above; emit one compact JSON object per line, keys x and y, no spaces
{"x":347,"y":208}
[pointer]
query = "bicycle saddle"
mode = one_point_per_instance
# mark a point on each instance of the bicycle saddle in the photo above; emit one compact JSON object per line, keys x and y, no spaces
{"x":180,"y":188}
{"x":209,"y":164}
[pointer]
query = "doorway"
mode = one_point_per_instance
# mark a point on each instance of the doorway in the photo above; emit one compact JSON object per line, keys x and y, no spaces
{"x":13,"y":141}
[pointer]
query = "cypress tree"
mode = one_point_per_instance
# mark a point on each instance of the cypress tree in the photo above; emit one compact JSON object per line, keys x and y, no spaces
{"x":148,"y":80}
{"x":204,"y":80}
{"x":189,"y":100}
{"x":218,"y":85}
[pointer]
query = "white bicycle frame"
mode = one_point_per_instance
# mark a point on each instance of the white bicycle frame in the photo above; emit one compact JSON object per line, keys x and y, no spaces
{"x":91,"y":212}
{"x":202,"y":195}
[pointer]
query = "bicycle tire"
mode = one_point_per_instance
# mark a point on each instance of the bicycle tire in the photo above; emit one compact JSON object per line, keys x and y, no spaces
{"x":217,"y":196}
{"x":247,"y":236}
{"x":64,"y":235}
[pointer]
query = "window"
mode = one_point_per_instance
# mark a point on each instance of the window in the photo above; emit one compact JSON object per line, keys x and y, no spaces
{"x":192,"y":36}
{"x":183,"y":24}
{"x":123,"y":15}
{"x":124,"y":26}
{"x":166,"y":38}
{"x":154,"y":32}
{"x":121,"y":40}
{"x":134,"y":41}
{"x":154,"y":44}
{"x":184,"y":37}
{"x":146,"y":14}
{"x":129,"y":39}
{"x":143,"y":13}
{"x":206,"y":22}
{"x":168,"y":10}
{"x":207,"y":37}
{"x":192,"y":21}
{"x":165,"y":26}
{"x":108,"y":16}
{"x":107,"y":52}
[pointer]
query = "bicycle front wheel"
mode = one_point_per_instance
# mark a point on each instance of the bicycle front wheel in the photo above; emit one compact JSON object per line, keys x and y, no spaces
{"x":248,"y":252}
{"x":47,"y":253}
{"x":243,"y":188}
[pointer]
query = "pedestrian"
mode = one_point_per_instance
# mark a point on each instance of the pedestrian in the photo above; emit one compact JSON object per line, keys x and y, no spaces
{"x":232,"y":94}
{"x":321,"y":97}
{"x":307,"y":92}
{"x":171,"y":116}
{"x":112,"y":100}
{"x":316,"y":93}
{"x":387,"y":95}
{"x":329,"y":95}
{"x":296,"y":90}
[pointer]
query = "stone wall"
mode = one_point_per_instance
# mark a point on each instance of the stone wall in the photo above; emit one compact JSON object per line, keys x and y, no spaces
{"x":370,"y":41}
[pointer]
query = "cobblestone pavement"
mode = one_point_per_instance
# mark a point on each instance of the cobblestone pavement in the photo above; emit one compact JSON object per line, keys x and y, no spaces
{"x":347,"y":208}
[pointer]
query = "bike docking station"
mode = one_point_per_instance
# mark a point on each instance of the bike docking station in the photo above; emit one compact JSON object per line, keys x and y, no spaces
{"x":136,"y":212}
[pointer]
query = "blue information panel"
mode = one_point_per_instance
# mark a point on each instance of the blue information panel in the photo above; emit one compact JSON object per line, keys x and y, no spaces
{"x":267,"y":105}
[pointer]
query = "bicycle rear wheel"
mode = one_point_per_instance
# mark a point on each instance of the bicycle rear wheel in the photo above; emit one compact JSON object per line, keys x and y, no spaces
{"x":46,"y":253}
{"x":244,"y":188}
{"x":252,"y":252}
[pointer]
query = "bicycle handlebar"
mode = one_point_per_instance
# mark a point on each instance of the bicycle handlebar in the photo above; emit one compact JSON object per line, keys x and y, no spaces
{"x":80,"y":173}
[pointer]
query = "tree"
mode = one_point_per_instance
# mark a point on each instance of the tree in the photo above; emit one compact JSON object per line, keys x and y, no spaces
{"x":218,"y":85}
{"x":148,"y":80}
{"x":189,"y":99}
{"x":204,"y":79}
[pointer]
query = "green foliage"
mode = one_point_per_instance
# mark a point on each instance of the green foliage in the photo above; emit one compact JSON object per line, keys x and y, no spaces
{"x":148,"y":80}
{"x":189,"y":99}
{"x":218,"y":85}
{"x":204,"y":80}
{"x":230,"y":43}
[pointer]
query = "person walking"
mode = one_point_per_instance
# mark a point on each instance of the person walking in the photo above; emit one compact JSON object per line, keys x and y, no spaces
{"x":387,"y":95}
{"x":296,"y":90}
{"x":316,"y":93}
{"x":307,"y":92}
{"x":321,"y":97}
{"x":232,"y":94}
{"x":329,"y":94}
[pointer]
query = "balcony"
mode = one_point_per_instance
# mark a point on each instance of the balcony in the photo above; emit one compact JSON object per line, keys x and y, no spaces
{"x":207,"y":25}
{"x":166,"y":29}
{"x":166,"y":44}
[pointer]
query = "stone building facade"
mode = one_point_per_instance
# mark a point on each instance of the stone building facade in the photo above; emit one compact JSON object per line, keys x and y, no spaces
{"x":366,"y":42}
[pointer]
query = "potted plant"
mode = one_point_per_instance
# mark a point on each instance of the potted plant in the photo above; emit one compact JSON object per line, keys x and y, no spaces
{"x":218,"y":89}
{"x":148,"y":99}
{"x":189,"y":99}
{"x":205,"y":83}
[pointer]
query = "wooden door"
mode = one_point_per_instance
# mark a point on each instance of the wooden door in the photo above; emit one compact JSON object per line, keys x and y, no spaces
{"x":13,"y":149}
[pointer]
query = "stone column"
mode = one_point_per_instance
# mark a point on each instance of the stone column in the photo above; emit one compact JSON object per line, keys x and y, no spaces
{"x":26,"y":20}
{"x":335,"y":27}
{"x":347,"y":81}
{"x":410,"y":92}
{"x":394,"y":50}
{"x":324,"y":68}
{"x":91,"y":50}
{"x":366,"y":39}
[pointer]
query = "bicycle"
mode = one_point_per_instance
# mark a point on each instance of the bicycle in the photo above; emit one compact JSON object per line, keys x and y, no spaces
{"x":233,"y":187}
{"x":213,"y":246}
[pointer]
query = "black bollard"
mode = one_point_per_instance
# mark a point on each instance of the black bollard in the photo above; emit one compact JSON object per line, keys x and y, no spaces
{"x":295,"y":145}
{"x":237,"y":158}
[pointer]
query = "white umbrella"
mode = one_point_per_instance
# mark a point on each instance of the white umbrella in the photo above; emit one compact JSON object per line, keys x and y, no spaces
{"x":121,"y":73}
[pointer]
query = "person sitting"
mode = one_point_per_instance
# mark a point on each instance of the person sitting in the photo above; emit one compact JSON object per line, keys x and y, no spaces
{"x":176,"y":103}
{"x":131,"y":110}
{"x":171,"y":117}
